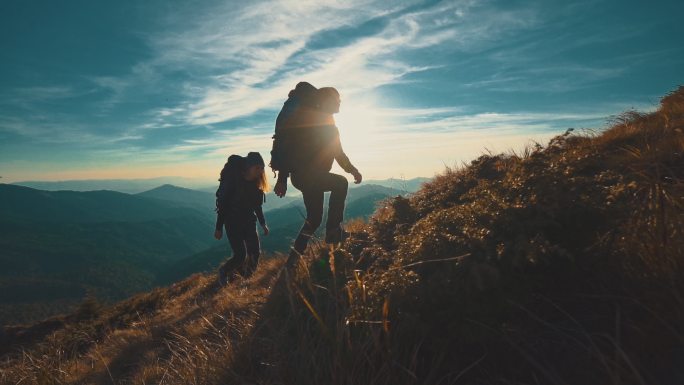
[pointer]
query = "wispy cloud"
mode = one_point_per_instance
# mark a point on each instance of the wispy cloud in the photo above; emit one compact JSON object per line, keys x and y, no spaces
{"x":30,"y":98}
{"x":421,"y":81}
{"x":253,"y":71}
{"x":548,"y":79}
{"x":60,"y":129}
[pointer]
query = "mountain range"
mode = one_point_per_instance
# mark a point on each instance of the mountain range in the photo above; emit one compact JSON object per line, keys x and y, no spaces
{"x":130,"y":186}
{"x":61,"y":246}
{"x":134,"y":186}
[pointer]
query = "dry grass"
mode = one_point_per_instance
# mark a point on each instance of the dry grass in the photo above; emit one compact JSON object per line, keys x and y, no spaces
{"x":181,"y":334}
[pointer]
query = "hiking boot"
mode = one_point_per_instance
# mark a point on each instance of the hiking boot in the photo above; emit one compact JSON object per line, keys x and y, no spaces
{"x":336,"y":235}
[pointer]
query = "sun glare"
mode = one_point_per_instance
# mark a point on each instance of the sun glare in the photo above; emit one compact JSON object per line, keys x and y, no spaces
{"x":359,"y":124}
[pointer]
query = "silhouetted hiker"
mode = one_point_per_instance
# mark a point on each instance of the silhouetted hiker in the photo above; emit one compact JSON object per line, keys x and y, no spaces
{"x":241,"y":193}
{"x":305,"y":145}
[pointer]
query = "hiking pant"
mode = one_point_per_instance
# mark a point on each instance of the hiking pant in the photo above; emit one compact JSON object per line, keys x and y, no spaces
{"x":244,"y":241}
{"x":312,"y":186}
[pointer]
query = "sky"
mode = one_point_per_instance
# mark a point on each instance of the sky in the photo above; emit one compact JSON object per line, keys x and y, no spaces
{"x":132,"y":89}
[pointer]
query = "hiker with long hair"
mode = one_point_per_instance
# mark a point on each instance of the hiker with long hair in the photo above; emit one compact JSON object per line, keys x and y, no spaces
{"x":239,"y":200}
{"x":306,"y":143}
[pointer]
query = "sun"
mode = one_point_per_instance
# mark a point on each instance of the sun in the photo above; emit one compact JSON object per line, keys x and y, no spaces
{"x":360,"y":124}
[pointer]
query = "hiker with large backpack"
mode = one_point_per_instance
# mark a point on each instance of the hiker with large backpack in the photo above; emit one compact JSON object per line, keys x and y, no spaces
{"x":239,"y":200}
{"x":306,"y":143}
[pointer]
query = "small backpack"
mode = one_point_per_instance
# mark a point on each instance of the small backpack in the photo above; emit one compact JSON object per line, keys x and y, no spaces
{"x":227,"y":182}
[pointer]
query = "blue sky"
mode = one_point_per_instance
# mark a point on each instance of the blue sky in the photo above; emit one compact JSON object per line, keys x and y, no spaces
{"x":132,"y":89}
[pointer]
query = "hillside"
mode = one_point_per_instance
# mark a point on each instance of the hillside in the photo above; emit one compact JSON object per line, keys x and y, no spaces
{"x":558,"y":265}
{"x":59,"y":246}
{"x":27,"y":205}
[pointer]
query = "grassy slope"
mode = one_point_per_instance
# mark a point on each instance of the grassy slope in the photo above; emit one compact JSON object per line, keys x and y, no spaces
{"x":561,"y":265}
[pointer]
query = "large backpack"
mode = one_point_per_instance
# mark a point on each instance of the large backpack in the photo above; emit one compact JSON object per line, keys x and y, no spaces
{"x":227,"y":183}
{"x":281,"y":144}
{"x":284,"y":145}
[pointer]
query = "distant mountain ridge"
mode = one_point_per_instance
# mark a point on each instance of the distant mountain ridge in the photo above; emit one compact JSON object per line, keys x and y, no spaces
{"x":130,"y":186}
{"x":198,"y":198}
{"x":57,"y":246}
{"x":135,"y":186}
{"x":23,"y":204}
{"x":69,"y":243}
{"x":182,"y":196}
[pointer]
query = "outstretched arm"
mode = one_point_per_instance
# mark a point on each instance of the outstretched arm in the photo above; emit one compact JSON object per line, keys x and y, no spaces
{"x":262,"y":220}
{"x":218,"y":232}
{"x":343,"y":160}
{"x":282,"y":176}
{"x":281,"y":185}
{"x":219,"y":221}
{"x":259,"y":211}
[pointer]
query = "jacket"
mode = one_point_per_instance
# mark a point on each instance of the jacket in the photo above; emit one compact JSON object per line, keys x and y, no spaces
{"x":242,"y":203}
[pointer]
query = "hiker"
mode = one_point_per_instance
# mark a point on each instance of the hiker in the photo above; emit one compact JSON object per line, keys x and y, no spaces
{"x":241,"y":193}
{"x":309,"y":141}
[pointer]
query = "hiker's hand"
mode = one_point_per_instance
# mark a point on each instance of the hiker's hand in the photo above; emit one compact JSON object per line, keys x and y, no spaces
{"x":266,"y":230}
{"x":280,"y":188}
{"x":218,"y":234}
{"x":357,"y":177}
